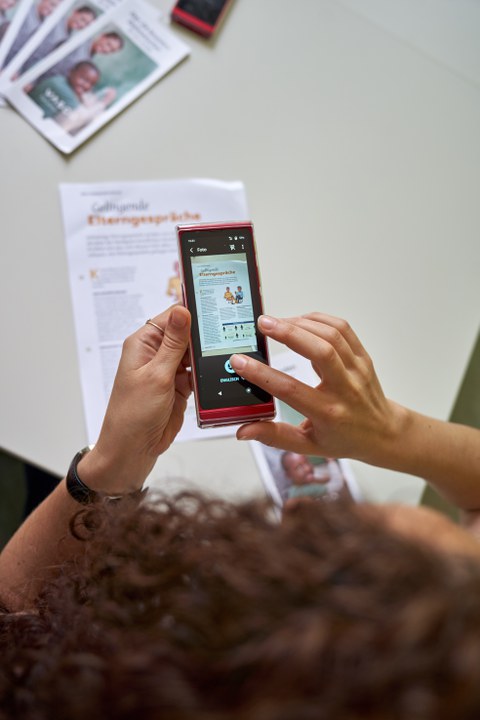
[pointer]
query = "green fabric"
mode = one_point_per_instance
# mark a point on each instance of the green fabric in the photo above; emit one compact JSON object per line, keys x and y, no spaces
{"x":466,"y":410}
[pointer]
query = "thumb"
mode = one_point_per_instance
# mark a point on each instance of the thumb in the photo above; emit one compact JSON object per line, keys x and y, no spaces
{"x":278,"y":435}
{"x":175,"y":341}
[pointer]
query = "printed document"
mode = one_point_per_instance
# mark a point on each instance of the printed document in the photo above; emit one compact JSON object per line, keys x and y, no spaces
{"x":123,"y":268}
{"x":73,"y":91}
{"x":288,"y":475}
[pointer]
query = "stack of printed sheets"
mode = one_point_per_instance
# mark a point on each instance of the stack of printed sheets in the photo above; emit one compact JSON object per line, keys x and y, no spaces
{"x":69,"y":66}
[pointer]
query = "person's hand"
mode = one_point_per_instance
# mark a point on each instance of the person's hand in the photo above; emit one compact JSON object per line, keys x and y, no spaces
{"x":347,"y":413}
{"x":146,"y":407}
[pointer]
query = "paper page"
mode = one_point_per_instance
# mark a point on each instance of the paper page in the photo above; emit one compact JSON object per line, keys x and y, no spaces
{"x":123,"y":269}
{"x":14,"y":22}
{"x":77,"y":89}
{"x":68,"y":19}
{"x":290,"y":475}
{"x":11,"y":29}
{"x":8,"y":10}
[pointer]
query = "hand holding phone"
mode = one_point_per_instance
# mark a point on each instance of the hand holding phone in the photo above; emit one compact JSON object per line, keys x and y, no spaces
{"x":221,"y":289}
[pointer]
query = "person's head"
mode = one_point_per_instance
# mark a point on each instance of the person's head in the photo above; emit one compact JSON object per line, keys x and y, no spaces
{"x":298,"y":468}
{"x":239,"y":288}
{"x":46,"y":7}
{"x":198,"y":609}
{"x":83,"y":77}
{"x":107,"y":43}
{"x":80,"y":18}
{"x":7,"y":4}
{"x":227,"y":289}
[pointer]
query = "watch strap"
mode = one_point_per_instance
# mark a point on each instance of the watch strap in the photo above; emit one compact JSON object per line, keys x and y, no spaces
{"x":77,"y":489}
{"x":82,"y":493}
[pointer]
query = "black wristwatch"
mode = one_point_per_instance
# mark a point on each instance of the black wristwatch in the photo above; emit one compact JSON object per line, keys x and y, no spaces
{"x":82,"y":493}
{"x":77,"y":489}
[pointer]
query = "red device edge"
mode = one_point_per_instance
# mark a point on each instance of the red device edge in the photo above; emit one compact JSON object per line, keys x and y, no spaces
{"x":238,"y":413}
{"x":199,"y":26}
{"x":193,"y":23}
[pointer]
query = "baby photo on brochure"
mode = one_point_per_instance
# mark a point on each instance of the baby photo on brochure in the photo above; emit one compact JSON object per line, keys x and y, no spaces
{"x":74,"y":91}
{"x":288,"y":476}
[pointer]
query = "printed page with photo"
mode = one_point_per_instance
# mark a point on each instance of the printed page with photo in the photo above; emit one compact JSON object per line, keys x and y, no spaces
{"x":288,"y":475}
{"x":12,"y":20}
{"x":13,"y":15}
{"x":76,"y":90}
{"x":8,"y":9}
{"x":224,"y":304}
{"x":68,"y":19}
{"x":123,"y":268}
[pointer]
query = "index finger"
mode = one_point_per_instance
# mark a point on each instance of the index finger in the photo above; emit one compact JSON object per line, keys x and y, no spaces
{"x":343,"y":327}
{"x":321,"y":353}
{"x":295,"y":393}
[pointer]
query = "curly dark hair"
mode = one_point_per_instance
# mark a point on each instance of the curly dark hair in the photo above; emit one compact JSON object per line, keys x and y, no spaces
{"x":195,"y":609}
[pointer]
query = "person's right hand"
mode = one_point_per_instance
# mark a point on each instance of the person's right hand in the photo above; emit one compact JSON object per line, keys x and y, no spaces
{"x":146,"y":407}
{"x":347,"y":413}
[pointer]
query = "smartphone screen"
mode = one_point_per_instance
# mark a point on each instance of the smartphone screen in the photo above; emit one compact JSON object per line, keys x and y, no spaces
{"x":202,"y":16}
{"x":222,"y":292}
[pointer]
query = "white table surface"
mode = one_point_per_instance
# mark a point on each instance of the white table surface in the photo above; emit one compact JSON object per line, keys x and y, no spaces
{"x":356,"y":133}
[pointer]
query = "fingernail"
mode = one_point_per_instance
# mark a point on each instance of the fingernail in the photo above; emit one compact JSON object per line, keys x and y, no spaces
{"x":238,"y":361}
{"x":178,"y":319}
{"x":266,"y":322}
{"x":242,"y":437}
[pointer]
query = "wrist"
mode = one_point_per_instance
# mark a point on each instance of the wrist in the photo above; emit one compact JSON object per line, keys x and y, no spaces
{"x":111,"y":473}
{"x":393,"y":437}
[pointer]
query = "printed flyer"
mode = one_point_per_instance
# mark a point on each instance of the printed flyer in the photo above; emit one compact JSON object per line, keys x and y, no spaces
{"x":74,"y":91}
{"x":20,"y":21}
{"x":62,"y":24}
{"x":289,"y":476}
{"x":123,"y":268}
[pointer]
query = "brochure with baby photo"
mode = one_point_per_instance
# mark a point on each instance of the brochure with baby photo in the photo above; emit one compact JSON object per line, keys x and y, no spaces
{"x":73,"y":92}
{"x":62,"y":23}
{"x":288,"y":475}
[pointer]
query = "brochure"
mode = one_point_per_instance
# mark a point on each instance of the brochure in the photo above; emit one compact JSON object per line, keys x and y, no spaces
{"x":123,"y":269}
{"x":20,"y":25}
{"x":288,"y":475}
{"x":16,"y":25}
{"x":74,"y":91}
{"x":68,"y":18}
{"x":8,"y":9}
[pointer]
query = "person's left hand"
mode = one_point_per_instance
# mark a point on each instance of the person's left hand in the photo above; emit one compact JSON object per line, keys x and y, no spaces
{"x":146,"y":407}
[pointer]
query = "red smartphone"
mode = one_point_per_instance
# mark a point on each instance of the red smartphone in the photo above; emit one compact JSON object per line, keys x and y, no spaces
{"x":201,"y":16}
{"x":221,"y":289}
